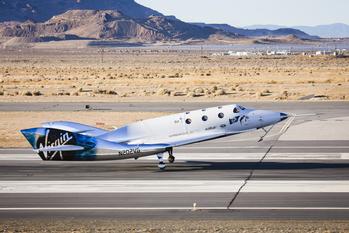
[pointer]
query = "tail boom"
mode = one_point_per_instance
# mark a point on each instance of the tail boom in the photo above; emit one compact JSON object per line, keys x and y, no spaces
{"x":56,"y":144}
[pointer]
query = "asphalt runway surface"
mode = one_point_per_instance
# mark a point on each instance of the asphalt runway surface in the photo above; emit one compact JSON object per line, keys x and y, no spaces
{"x":336,"y":107}
{"x":229,"y":178}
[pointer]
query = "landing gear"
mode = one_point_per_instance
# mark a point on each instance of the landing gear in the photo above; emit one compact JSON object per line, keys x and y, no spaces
{"x":161,"y":164}
{"x":171,"y":158}
{"x":266,"y":132}
{"x":160,"y":156}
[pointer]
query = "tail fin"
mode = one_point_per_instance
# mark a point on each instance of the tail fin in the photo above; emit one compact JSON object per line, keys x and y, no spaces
{"x":54,"y":144}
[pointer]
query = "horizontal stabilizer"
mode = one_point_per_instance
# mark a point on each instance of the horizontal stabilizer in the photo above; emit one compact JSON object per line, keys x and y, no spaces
{"x":60,"y":148}
{"x":75,"y":128}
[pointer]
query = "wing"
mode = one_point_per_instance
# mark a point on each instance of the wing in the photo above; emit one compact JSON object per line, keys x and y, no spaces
{"x":183,"y":139}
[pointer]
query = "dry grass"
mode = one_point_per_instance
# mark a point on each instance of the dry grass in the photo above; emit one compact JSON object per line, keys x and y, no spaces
{"x":137,"y":75}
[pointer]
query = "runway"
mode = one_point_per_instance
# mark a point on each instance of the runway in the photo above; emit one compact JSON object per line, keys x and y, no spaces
{"x":333,"y":107}
{"x":297,"y":185}
{"x":228,"y":178}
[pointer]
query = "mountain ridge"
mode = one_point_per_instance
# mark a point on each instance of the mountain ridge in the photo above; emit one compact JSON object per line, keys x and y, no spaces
{"x":107,"y":24}
{"x":43,"y":10}
{"x":259,"y":32}
{"x":335,"y":30}
{"x":45,"y":20}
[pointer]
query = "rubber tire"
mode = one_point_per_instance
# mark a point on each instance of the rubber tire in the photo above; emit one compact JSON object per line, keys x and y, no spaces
{"x":171,"y":159}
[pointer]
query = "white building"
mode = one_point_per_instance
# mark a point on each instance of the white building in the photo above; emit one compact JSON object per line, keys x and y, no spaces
{"x":240,"y":53}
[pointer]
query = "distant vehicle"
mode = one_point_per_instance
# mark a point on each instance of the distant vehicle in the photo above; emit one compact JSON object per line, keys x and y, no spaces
{"x":69,"y":141}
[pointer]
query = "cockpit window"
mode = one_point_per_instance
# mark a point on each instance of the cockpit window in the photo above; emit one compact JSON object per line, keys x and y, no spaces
{"x":241,"y":107}
{"x":234,"y":120}
{"x":236,"y":110}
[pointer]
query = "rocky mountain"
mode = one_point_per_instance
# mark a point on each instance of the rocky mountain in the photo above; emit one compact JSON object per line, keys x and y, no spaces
{"x":336,"y":30}
{"x":43,"y":10}
{"x":260,"y":32}
{"x":107,"y":24}
{"x":47,"y":20}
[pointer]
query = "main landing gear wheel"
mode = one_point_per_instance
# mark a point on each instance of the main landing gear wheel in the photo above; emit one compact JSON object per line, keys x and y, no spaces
{"x":161,"y":164}
{"x":171,"y":158}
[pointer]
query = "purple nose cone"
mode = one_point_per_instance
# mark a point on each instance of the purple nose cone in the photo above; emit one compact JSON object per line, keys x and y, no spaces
{"x":283,"y":116}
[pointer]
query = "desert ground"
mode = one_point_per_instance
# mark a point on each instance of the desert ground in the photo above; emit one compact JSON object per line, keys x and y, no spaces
{"x":141,"y":75}
{"x":131,"y":74}
{"x":93,"y":225}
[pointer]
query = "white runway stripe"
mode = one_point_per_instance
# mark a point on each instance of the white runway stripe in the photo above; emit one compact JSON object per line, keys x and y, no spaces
{"x":119,"y":186}
{"x":212,"y":156}
{"x":15,"y":149}
{"x":296,"y":186}
{"x":256,"y":156}
{"x":290,"y":156}
{"x":173,"y":186}
{"x":209,"y":156}
{"x":19,"y":157}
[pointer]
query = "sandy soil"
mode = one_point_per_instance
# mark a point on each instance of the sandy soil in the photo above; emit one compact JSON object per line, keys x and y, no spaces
{"x":92,"y":225}
{"x":12,"y":122}
{"x":146,"y":75}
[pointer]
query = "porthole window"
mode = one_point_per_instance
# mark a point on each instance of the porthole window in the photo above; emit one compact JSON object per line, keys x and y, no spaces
{"x":221,"y":115}
{"x":188,"y":121}
{"x":204,"y":118}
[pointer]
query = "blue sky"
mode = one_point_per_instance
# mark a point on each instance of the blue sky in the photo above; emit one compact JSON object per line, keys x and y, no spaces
{"x":250,"y":12}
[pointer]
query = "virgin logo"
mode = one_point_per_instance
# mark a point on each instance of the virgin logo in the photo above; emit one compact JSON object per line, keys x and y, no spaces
{"x":60,"y":141}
